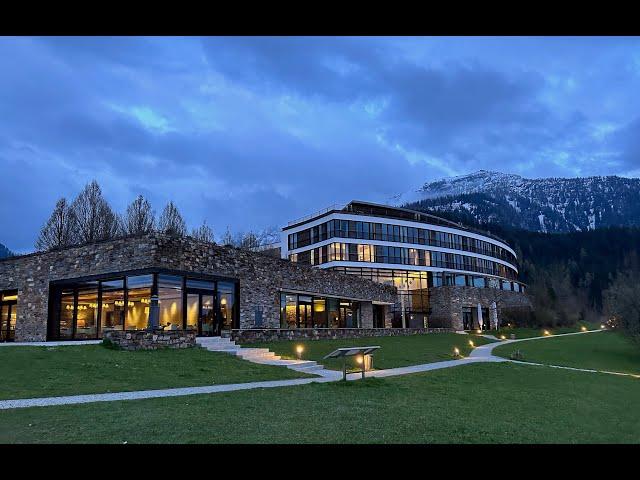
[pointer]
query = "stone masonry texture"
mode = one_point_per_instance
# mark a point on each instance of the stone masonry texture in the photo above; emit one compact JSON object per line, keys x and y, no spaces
{"x":261,"y":277}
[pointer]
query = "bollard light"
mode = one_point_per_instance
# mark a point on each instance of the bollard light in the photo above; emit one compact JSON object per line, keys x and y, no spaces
{"x":546,"y":332}
{"x":583,"y":328}
{"x":299,"y":350}
{"x":471,"y":343}
{"x":456,"y":352}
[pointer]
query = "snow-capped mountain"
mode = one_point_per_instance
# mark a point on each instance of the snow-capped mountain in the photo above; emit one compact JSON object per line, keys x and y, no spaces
{"x":544,"y":204}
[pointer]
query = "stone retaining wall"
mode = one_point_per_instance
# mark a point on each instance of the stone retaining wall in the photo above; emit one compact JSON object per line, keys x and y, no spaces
{"x":275,"y":334}
{"x":151,"y":340}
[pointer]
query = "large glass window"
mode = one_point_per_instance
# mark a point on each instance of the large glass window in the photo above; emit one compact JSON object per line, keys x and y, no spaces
{"x":227,"y":304}
{"x":112,"y":307}
{"x":67,"y":309}
{"x":87,"y":315}
{"x":320,"y":312}
{"x":138,"y":301}
{"x":287,"y":311}
{"x":170,"y":296}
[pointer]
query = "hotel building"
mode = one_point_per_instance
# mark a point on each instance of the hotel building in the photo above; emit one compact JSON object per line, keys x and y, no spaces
{"x":447,"y":275}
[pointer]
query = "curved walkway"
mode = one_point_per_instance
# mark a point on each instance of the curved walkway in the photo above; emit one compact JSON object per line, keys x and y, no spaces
{"x":480,"y":354}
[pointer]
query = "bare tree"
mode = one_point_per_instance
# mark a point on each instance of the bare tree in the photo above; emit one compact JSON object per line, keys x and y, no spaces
{"x":60,"y":229}
{"x":95,"y":220}
{"x":227,"y":238}
{"x":248,"y":241}
{"x":171,"y":222}
{"x":140,"y":218}
{"x":204,"y":233}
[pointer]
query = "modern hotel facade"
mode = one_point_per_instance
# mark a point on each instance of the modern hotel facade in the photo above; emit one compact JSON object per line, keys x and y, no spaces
{"x":446,"y":275}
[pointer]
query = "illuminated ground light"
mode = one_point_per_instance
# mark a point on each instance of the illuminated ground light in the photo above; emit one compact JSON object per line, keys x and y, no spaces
{"x":456,"y":352}
{"x":502,"y":337}
{"x":471,"y":343}
{"x":583,"y":328}
{"x":546,"y":332}
{"x":601,"y":327}
{"x":299,"y":350}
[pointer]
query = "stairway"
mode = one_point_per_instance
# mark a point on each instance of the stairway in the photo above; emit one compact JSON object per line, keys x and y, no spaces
{"x":258,"y":355}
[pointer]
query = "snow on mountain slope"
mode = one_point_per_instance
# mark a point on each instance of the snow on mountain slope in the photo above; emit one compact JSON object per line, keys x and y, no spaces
{"x":543,"y":204}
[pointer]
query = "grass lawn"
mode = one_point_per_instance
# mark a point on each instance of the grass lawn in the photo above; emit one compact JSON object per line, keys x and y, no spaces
{"x":477,"y":403}
{"x":609,"y":351}
{"x":535,"y":332}
{"x":394,"y":352}
{"x":72,"y":370}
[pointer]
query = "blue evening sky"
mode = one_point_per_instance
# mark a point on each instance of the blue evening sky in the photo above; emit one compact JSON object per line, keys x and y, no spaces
{"x":253,"y":132}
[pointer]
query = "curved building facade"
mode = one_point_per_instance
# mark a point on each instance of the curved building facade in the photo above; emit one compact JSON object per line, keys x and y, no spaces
{"x":447,"y":275}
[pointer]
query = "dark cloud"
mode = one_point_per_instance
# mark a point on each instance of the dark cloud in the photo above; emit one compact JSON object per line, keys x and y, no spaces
{"x":250,"y":132}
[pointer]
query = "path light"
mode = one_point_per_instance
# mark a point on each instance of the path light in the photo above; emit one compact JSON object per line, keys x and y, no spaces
{"x":456,"y":352}
{"x":478,"y":331}
{"x":583,"y":328}
{"x":601,"y":327}
{"x":471,"y":343}
{"x":546,"y":332}
{"x":299,"y":350}
{"x":502,"y":337}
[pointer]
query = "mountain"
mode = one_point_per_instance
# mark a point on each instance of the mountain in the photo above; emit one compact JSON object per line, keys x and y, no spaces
{"x":4,"y":251}
{"x":553,"y":205}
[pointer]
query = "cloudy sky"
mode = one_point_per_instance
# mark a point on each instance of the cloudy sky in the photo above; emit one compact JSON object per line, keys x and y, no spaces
{"x":253,"y":132}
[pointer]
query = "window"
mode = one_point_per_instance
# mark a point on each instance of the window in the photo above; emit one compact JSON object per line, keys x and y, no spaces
{"x":138,"y":301}
{"x":87,"y":311}
{"x":227,"y":304}
{"x":112,"y":306}
{"x":170,"y":297}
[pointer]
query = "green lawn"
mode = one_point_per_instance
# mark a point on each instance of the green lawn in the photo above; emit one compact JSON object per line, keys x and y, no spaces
{"x":477,"y":403}
{"x":71,"y":370}
{"x":609,"y":351}
{"x":535,"y":332}
{"x":394,"y":352}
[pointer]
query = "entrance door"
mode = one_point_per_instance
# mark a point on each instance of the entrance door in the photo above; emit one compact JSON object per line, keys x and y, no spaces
{"x":8,"y":314}
{"x":467,"y":319}
{"x":305,"y":319}
{"x":209,"y":327}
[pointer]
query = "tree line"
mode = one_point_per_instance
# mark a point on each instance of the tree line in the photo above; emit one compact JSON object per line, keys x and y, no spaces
{"x":583,"y":276}
{"x":89,"y":218}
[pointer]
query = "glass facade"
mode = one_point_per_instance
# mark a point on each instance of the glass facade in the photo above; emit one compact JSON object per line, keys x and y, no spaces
{"x":353,"y":252}
{"x":310,"y":311}
{"x":85,"y":309}
{"x":396,"y":233}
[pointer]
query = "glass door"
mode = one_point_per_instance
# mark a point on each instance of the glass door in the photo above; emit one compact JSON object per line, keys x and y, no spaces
{"x":305,"y":319}
{"x":208,"y":325}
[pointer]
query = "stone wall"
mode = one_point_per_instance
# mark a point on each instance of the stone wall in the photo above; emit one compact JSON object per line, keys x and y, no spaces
{"x":152,"y":340}
{"x":261,"y":277}
{"x":275,"y":334}
{"x":447,"y":303}
{"x":31,"y":274}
